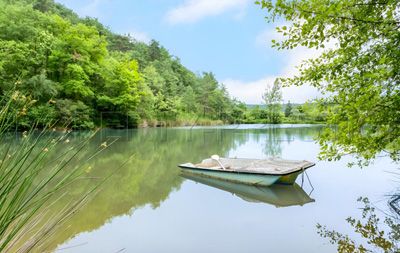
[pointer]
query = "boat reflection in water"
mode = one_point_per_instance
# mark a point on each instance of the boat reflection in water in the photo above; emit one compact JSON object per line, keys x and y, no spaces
{"x":277,"y":195}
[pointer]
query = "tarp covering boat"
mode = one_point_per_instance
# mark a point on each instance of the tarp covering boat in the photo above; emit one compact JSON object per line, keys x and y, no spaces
{"x":274,"y":166}
{"x":250,"y":171}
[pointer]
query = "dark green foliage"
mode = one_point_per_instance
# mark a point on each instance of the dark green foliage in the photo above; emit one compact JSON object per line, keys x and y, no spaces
{"x":75,"y":114}
{"x":288,"y":109}
{"x":78,"y":71}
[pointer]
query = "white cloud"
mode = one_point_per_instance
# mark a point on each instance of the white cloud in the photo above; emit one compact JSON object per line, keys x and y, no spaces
{"x":295,"y":57}
{"x":292,"y":57}
{"x":139,"y":36}
{"x":193,"y":10}
{"x":241,"y":14}
{"x":248,"y":92}
{"x":263,"y":39}
{"x":251,"y":92}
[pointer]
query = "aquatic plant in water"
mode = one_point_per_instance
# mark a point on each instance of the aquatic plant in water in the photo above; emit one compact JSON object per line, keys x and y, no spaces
{"x":379,"y":236}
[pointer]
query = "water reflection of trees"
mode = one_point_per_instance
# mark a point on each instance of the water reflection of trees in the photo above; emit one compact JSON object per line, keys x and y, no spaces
{"x":148,"y":178}
{"x":275,"y":136}
{"x":151,"y":175}
{"x":378,"y":236}
{"x":273,"y":147}
{"x":394,"y":203}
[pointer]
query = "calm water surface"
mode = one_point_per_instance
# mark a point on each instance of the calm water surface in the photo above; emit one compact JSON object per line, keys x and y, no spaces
{"x":147,"y":206}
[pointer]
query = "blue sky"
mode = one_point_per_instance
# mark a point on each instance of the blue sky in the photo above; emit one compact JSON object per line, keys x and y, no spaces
{"x":227,"y":37}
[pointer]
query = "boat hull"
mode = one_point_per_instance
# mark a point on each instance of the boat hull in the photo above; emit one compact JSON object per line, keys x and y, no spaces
{"x":233,"y":176}
{"x":289,"y":179}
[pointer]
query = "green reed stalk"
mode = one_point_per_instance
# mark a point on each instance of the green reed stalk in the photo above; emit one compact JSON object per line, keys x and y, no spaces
{"x":30,"y":177}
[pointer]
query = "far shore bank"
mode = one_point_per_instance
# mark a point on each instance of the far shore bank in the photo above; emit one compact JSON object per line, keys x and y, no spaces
{"x":199,"y":123}
{"x":171,"y":124}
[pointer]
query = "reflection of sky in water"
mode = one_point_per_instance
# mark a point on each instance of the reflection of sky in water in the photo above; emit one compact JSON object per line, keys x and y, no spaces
{"x":199,"y":218}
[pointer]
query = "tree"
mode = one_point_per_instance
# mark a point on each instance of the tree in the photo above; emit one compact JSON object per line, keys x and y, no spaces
{"x":155,"y":51}
{"x":121,"y":92}
{"x":238,"y":112}
{"x":166,"y":107}
{"x":272,"y":98}
{"x":288,"y":109}
{"x":42,"y":5}
{"x":255,"y":113}
{"x":361,"y":72}
{"x":297,"y":114}
{"x":189,"y":100}
{"x":74,"y":114}
{"x":212,"y":96}
{"x":40,"y":87}
{"x":75,"y":82}
{"x":51,"y":55}
{"x":153,"y":79}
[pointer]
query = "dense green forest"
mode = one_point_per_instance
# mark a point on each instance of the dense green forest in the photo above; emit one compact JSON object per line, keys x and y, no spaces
{"x":75,"y":71}
{"x":78,"y":72}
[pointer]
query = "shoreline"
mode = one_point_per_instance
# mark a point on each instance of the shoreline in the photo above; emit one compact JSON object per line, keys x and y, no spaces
{"x":169,"y":124}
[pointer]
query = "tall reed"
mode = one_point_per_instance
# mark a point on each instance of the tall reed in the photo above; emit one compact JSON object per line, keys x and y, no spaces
{"x":31,"y":174}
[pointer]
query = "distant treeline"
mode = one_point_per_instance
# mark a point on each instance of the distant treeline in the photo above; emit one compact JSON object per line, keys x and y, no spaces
{"x":312,"y":112}
{"x":76,"y":72}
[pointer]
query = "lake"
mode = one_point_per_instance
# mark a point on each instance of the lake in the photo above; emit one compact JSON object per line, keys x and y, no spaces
{"x":148,"y":206}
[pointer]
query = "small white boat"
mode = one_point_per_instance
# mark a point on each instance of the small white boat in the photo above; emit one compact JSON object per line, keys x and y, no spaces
{"x":263,"y":172}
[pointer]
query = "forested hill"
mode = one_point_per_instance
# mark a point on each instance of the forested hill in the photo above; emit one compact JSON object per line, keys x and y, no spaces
{"x":78,"y":72}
